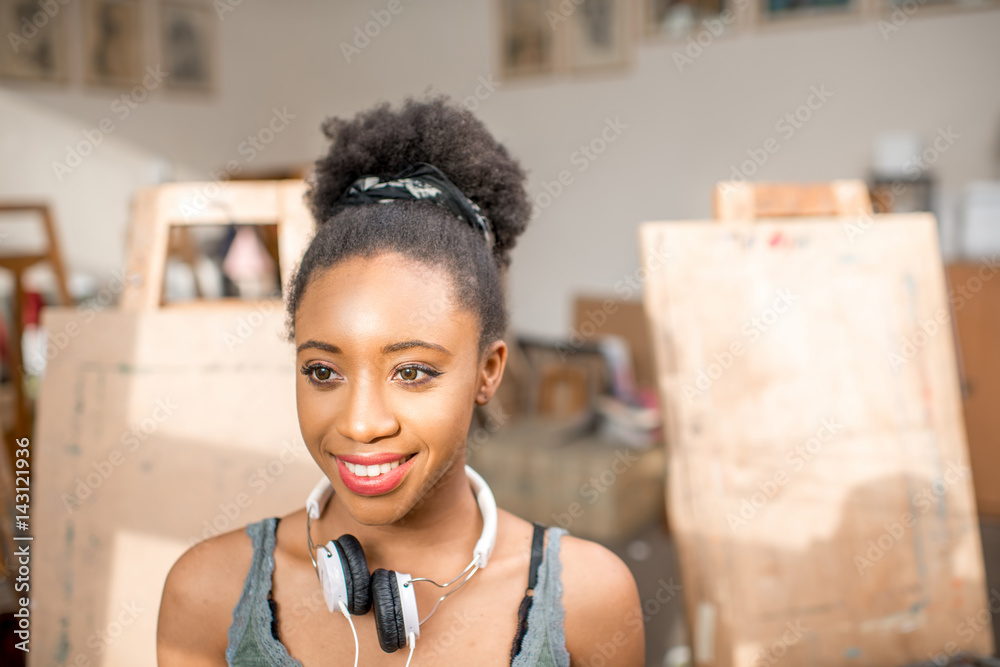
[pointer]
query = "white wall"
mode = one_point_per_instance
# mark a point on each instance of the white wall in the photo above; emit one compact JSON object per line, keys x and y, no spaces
{"x":685,"y":130}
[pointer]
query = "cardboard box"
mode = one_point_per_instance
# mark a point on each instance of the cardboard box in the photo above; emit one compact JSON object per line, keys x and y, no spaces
{"x":974,"y":290}
{"x":596,"y":489}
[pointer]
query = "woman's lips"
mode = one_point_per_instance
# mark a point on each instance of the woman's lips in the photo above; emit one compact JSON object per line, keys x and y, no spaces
{"x":381,"y":482}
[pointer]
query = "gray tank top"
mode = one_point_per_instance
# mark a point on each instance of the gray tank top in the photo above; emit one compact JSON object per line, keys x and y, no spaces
{"x":252,"y":642}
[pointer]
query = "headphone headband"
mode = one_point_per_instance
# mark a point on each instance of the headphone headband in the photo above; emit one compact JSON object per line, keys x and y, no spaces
{"x":488,"y":508}
{"x":321,"y":494}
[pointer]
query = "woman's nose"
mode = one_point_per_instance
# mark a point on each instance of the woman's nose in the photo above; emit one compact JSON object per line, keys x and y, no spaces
{"x":366,"y":416}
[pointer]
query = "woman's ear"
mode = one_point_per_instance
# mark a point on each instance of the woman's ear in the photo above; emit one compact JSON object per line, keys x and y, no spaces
{"x":491,"y":371}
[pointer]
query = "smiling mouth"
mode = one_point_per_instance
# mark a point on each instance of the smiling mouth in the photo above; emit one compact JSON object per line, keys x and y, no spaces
{"x":374,"y":470}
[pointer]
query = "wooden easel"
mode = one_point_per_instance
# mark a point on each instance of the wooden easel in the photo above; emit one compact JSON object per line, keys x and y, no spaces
{"x":18,"y":264}
{"x":732,"y":200}
{"x":762,"y":540}
{"x":156,"y":210}
{"x":192,"y":405}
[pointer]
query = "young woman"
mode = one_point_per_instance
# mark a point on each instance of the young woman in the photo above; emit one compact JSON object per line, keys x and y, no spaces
{"x":397,"y":312}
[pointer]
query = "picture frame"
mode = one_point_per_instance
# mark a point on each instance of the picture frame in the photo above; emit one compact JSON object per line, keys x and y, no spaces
{"x":897,"y":12}
{"x":187,"y":39}
{"x":600,"y":35}
{"x":36,"y":43}
{"x":528,"y":38}
{"x":679,"y":18}
{"x":112,"y":42}
{"x":775,"y":11}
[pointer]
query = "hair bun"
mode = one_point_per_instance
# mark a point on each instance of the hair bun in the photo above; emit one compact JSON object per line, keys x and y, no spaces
{"x":383,"y":142}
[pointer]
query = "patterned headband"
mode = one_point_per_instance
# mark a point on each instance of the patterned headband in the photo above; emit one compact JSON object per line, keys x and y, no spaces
{"x":419,"y":181}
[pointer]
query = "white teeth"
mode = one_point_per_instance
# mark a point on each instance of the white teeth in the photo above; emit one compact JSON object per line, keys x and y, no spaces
{"x":372,"y":470}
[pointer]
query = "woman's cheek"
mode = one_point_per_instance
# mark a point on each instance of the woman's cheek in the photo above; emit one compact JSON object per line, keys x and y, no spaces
{"x":312,"y":418}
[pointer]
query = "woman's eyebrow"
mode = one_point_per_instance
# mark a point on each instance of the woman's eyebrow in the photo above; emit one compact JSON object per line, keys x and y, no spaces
{"x":388,"y":349}
{"x":315,"y":344}
{"x":407,"y":344}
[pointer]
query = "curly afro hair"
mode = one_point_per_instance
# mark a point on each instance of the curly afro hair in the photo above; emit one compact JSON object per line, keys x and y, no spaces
{"x":382,"y":142}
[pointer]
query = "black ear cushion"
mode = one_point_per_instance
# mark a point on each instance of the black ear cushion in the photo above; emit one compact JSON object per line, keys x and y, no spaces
{"x":400,"y":621}
{"x":388,"y":611}
{"x":356,"y":573}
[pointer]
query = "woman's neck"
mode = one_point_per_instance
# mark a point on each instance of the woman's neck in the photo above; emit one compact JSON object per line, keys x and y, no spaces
{"x":434,"y":538}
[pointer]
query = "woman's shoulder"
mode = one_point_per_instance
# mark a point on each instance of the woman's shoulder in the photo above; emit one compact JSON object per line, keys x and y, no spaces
{"x":199,"y":595}
{"x":601,"y":603}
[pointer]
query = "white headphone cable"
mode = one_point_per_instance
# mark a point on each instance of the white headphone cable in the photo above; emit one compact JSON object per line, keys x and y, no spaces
{"x":412,"y":641}
{"x":357,"y":647}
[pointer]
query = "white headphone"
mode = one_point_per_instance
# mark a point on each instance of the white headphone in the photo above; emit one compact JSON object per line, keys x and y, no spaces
{"x":347,"y":584}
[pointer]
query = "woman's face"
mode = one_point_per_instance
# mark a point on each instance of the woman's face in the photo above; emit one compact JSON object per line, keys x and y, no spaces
{"x":389,"y":375}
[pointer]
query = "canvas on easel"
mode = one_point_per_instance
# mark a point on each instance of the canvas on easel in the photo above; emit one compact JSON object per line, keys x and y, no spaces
{"x":819,"y":487}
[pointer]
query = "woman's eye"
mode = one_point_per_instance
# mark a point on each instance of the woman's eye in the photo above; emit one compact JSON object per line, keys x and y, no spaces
{"x":317,"y":373}
{"x":411,"y":374}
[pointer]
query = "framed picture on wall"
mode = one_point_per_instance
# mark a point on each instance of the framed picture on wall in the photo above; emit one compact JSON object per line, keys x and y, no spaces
{"x":35,"y":43}
{"x":187,"y":45}
{"x":112,"y":42}
{"x":888,"y":6}
{"x":599,"y":34}
{"x":772,"y":10}
{"x":678,"y":18}
{"x":527,"y":38}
